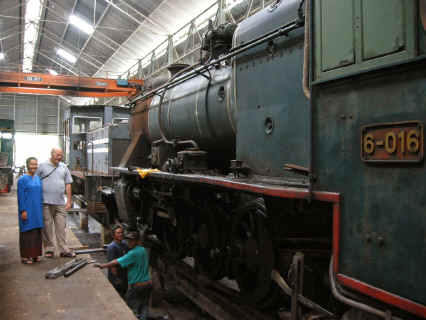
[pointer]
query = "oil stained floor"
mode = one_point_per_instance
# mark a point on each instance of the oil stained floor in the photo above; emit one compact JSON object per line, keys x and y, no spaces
{"x":26,"y":294}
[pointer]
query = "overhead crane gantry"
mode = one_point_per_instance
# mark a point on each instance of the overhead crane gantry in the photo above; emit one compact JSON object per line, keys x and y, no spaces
{"x":41,"y":83}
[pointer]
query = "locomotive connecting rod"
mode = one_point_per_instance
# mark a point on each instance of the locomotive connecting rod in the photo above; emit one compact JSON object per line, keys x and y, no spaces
{"x":283,"y":30}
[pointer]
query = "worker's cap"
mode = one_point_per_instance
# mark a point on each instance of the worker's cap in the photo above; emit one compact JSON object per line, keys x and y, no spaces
{"x":132,"y":235}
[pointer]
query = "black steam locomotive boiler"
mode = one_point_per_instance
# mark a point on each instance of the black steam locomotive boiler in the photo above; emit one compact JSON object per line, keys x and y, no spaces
{"x":291,"y":160}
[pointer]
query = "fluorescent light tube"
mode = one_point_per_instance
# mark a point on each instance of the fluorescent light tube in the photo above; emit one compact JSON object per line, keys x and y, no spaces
{"x":81,"y":24}
{"x":66,"y":55}
{"x":52,"y":72}
{"x":32,"y":18}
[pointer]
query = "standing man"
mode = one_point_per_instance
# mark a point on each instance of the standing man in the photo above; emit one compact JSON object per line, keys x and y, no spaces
{"x":140,"y":285}
{"x":116,"y":249}
{"x":56,"y":180}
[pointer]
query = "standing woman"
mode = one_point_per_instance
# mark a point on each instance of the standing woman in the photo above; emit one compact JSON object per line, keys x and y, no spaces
{"x":30,"y":206}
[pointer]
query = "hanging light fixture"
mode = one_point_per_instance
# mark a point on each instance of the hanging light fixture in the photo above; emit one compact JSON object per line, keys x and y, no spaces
{"x":81,"y":24}
{"x":52,"y":72}
{"x":66,"y":55}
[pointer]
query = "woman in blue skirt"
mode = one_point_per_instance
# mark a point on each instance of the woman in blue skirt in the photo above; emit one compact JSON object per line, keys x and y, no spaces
{"x":30,"y":206}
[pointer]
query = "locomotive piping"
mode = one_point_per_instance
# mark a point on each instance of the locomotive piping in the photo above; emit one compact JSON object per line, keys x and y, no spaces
{"x":160,"y":124}
{"x":228,"y":107}
{"x":275,"y":275}
{"x":234,"y":73}
{"x":283,"y":30}
{"x":353,"y":303}
{"x":306,"y":53}
{"x":311,"y":97}
{"x":197,"y":120}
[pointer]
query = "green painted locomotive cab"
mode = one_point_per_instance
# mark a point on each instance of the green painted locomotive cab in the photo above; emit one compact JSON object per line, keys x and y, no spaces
{"x":382,"y":211}
{"x":422,"y":31}
{"x":267,"y":92}
{"x":356,"y":35}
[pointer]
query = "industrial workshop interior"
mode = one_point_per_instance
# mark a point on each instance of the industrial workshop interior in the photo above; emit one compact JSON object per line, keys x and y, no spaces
{"x":212,"y":159}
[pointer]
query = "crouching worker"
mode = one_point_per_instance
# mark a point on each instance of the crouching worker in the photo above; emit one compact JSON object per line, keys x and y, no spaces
{"x":116,"y":249}
{"x":137,"y":264}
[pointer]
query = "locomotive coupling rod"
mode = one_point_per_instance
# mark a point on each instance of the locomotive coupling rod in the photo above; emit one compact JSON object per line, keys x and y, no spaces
{"x":275,"y":276}
{"x":283,"y":30}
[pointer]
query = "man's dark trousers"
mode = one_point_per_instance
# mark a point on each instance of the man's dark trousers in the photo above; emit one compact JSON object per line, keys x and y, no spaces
{"x":137,"y":299}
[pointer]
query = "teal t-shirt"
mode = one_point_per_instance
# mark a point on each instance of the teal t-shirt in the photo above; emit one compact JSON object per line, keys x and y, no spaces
{"x":136,"y":262}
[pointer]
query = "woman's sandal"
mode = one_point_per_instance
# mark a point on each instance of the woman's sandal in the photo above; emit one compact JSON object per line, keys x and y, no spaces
{"x":27,"y":261}
{"x":49,"y":254}
{"x":68,"y":254}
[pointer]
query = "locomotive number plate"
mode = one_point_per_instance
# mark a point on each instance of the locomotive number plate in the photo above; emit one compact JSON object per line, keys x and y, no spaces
{"x":392,"y":142}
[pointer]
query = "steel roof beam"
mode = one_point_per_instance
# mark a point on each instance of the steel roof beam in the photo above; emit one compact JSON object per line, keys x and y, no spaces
{"x":96,"y":38}
{"x":176,"y":32}
{"x":40,"y":34}
{"x":68,"y":22}
{"x":14,"y":34}
{"x":95,"y":29}
{"x":132,"y":17}
{"x":71,"y":47}
{"x":116,"y":43}
{"x":61,"y":65}
{"x":147,"y":18}
{"x":80,"y":51}
{"x":65,"y":48}
{"x":21,"y":31}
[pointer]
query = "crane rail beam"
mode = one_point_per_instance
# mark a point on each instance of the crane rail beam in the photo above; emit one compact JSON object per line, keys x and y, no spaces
{"x":47,"y":84}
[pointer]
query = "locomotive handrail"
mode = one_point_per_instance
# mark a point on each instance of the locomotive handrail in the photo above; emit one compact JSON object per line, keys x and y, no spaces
{"x":283,"y":30}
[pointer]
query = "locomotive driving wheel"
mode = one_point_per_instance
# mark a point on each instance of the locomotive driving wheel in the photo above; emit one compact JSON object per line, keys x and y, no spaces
{"x":210,"y":254}
{"x":176,"y":232}
{"x":252,"y":252}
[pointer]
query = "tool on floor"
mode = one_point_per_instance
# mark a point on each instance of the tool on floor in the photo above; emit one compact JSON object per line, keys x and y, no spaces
{"x":93,"y":250}
{"x":60,"y":271}
{"x":77,"y":267}
{"x":68,"y":268}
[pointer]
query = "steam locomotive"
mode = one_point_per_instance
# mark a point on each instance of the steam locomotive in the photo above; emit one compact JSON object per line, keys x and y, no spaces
{"x":291,"y":159}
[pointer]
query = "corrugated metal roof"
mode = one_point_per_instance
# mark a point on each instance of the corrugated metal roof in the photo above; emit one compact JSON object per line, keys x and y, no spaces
{"x":172,"y":14}
{"x":124,"y":32}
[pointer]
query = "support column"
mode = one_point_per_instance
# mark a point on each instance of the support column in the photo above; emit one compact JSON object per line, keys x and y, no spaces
{"x":221,"y":19}
{"x":170,"y":48}
{"x":84,"y":221}
{"x":106,"y":236}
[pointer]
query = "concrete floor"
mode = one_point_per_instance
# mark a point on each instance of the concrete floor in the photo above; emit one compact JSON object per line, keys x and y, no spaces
{"x":26,"y":294}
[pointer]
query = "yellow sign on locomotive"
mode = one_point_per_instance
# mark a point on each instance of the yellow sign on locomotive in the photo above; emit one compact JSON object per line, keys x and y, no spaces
{"x":392,"y":142}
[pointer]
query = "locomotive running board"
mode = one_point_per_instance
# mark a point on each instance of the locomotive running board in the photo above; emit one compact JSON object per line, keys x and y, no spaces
{"x":237,"y":184}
